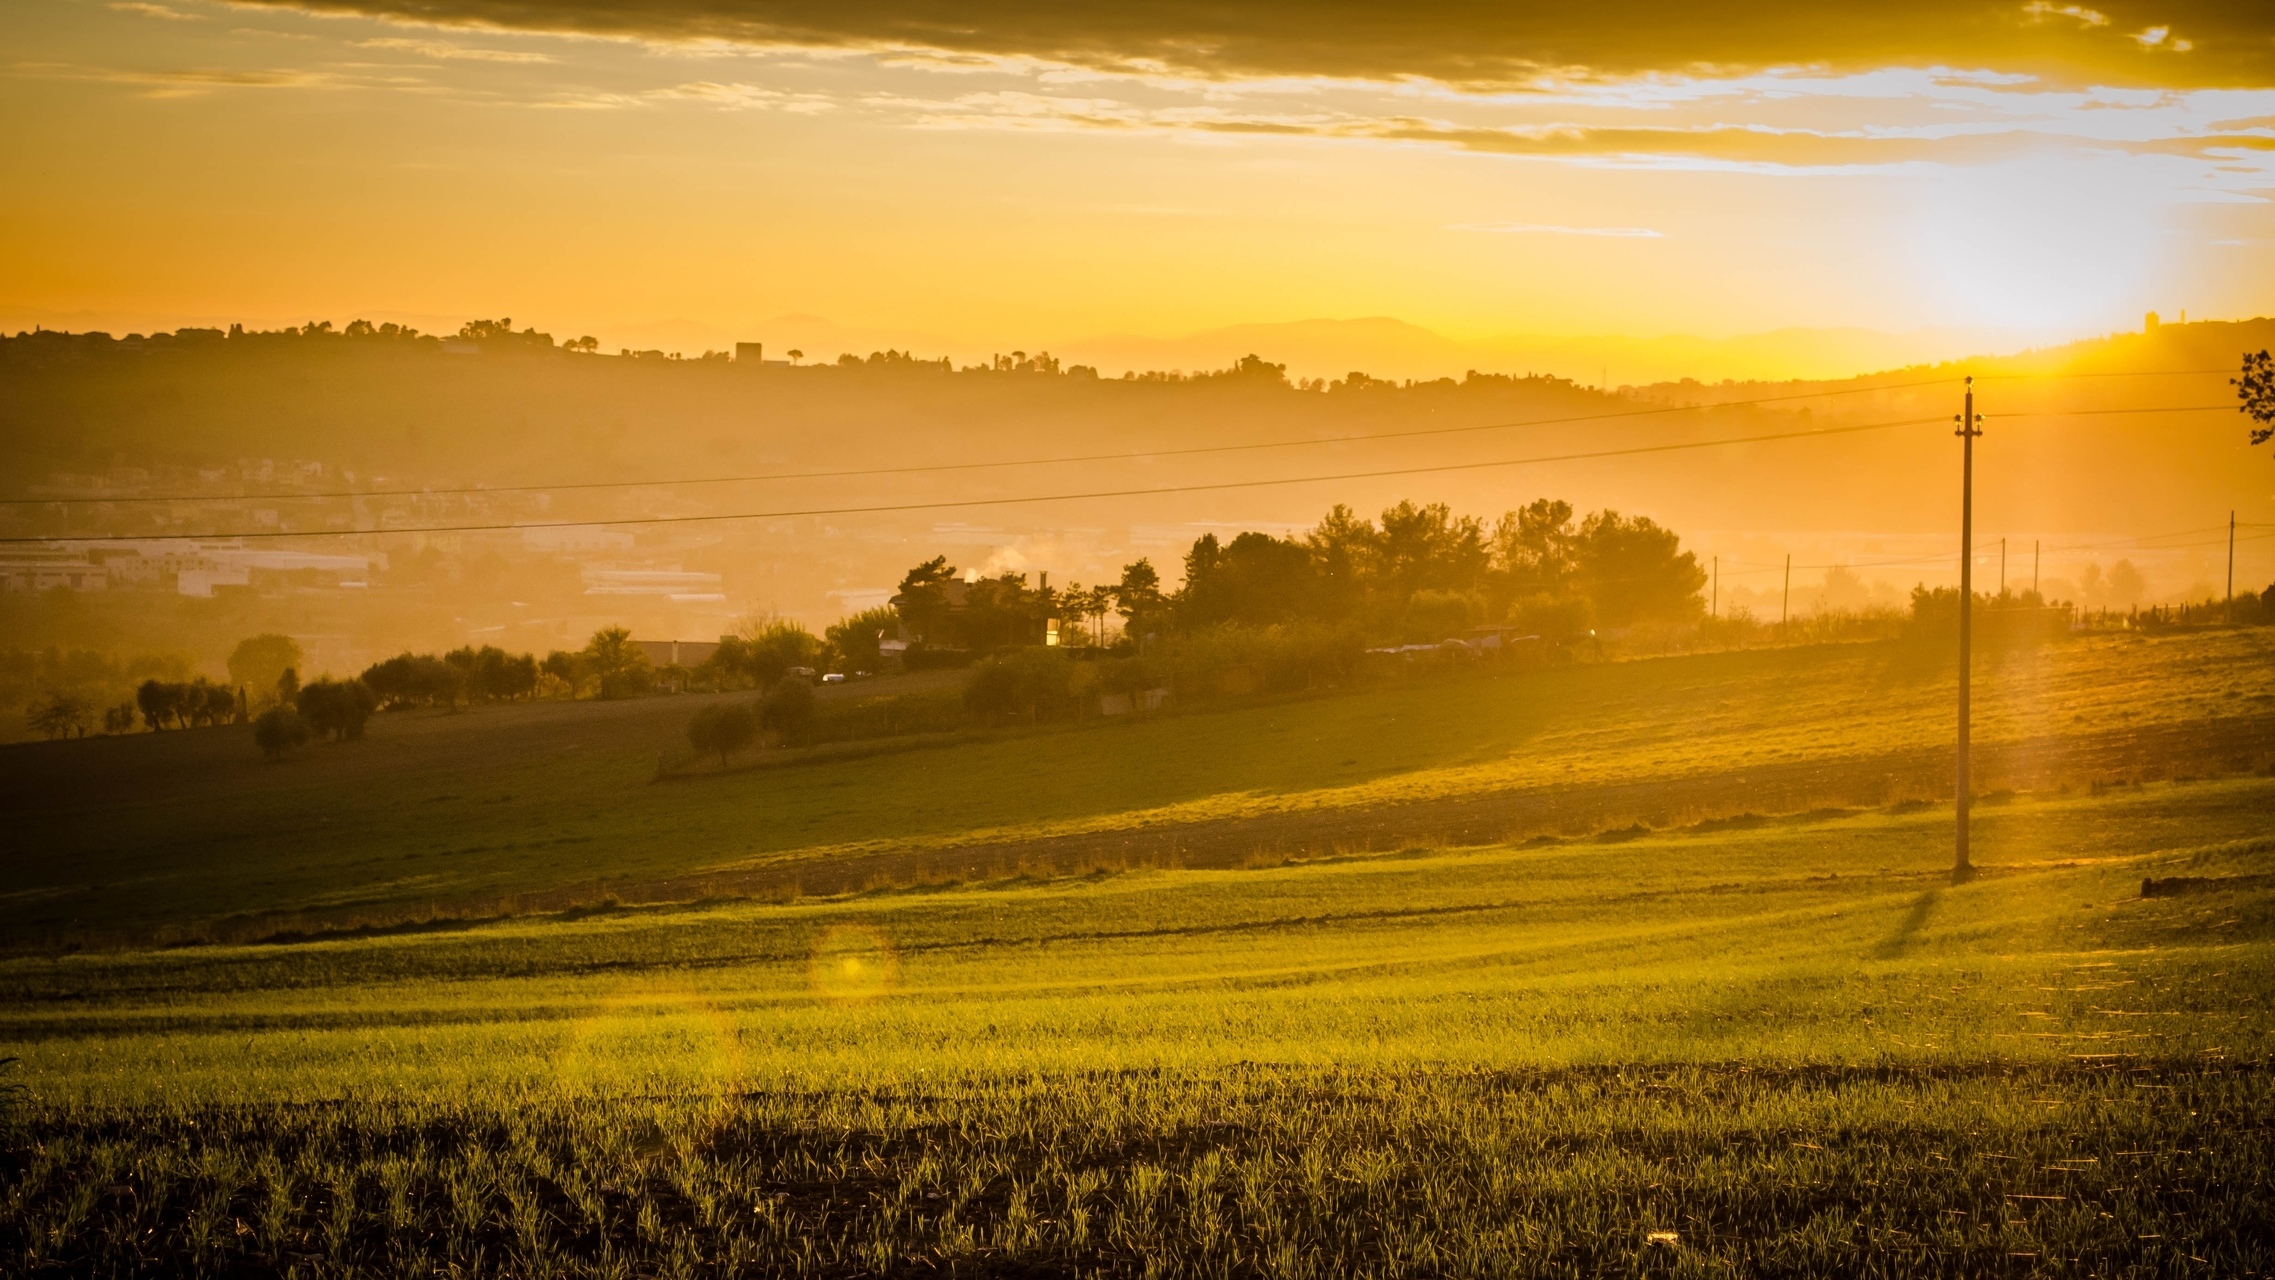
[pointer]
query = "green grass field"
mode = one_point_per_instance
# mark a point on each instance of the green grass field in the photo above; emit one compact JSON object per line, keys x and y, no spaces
{"x":193,"y":835}
{"x":1779,"y":1036}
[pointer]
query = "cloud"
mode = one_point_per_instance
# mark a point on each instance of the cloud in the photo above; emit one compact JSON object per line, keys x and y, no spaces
{"x":444,"y":50}
{"x":1552,"y":229}
{"x":1473,"y":43}
{"x":1755,"y":147}
{"x":178,"y":83}
{"x":156,"y":11}
{"x":746,"y":97}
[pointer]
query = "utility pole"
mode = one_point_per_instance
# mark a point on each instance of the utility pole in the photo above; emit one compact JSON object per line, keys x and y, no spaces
{"x":1970,"y":426}
{"x":2034,"y":571}
{"x":1785,"y":611}
{"x":2002,"y":568}
{"x":2231,"y":609}
{"x":1714,"y":609}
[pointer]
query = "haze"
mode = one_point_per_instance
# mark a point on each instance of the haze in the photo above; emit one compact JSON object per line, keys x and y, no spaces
{"x":1921,"y":182}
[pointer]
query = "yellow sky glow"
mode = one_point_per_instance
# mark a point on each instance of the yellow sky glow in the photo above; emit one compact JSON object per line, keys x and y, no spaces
{"x":686,"y":175}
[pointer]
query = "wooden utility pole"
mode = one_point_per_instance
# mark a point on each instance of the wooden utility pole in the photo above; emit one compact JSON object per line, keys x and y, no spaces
{"x":1970,"y":426}
{"x":1714,"y":609}
{"x":2034,"y":546}
{"x":1785,"y":610}
{"x":2002,"y":568}
{"x":2231,"y":609}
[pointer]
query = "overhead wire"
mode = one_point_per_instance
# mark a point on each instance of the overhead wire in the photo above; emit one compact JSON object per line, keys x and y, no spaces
{"x":855,"y":472}
{"x":1066,"y":459}
{"x":1018,"y":500}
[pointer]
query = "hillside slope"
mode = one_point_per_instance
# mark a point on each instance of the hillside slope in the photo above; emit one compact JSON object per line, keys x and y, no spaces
{"x":520,"y":807}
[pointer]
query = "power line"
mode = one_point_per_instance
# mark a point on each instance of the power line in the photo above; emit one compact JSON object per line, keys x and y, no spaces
{"x":2144,"y":542}
{"x":973,"y":466}
{"x":1011,"y":501}
{"x":1129,"y":456}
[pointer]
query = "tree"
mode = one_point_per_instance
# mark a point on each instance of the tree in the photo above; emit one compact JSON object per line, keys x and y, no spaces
{"x":119,"y":719}
{"x":788,"y":711}
{"x":1533,"y":548}
{"x":922,"y":602}
{"x":1138,"y":595}
{"x":490,"y":673}
{"x":1428,"y":548}
{"x":724,"y":727}
{"x":566,"y":667}
{"x":220,"y":704}
{"x":2256,"y":389}
{"x":278,"y":730}
{"x":258,"y":662}
{"x":855,"y":639}
{"x":616,"y":663}
{"x":61,"y":715}
{"x":337,"y":708}
{"x":408,"y":679}
{"x":1634,"y":571}
{"x":159,"y":701}
{"x":1257,"y":579}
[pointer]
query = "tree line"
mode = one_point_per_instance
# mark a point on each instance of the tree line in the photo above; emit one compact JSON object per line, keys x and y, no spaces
{"x":1415,"y":573}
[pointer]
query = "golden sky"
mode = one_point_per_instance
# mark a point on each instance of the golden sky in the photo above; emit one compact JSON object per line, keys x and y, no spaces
{"x":1012,"y":173}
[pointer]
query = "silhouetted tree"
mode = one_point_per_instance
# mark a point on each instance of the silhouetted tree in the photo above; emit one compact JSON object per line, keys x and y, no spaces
{"x":1634,"y":571}
{"x":159,"y":701}
{"x":278,"y":730}
{"x":1138,"y":597}
{"x":616,"y":664}
{"x":724,"y":727}
{"x":854,"y":639}
{"x":258,"y":662}
{"x":922,"y":602}
{"x":408,"y":679}
{"x":490,"y":673}
{"x":2256,"y":389}
{"x":1533,"y":549}
{"x":788,"y":710}
{"x":337,"y":708}
{"x":61,"y":715}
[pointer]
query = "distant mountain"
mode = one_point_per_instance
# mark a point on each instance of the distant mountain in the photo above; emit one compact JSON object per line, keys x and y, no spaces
{"x":1385,"y":347}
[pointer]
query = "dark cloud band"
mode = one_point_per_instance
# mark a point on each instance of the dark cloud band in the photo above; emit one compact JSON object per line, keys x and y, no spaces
{"x":2185,"y":43}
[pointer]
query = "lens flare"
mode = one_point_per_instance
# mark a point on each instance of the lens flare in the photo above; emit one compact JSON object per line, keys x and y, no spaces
{"x":852,"y":963}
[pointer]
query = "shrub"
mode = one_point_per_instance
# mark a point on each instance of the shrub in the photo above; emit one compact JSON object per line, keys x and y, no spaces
{"x":1557,"y":620}
{"x":724,"y":727}
{"x":788,"y":711}
{"x":278,"y":730}
{"x":408,"y":679}
{"x":1034,"y":683}
{"x":337,"y":708}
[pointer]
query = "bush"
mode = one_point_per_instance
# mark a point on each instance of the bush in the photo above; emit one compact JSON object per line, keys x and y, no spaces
{"x":491,"y":673}
{"x":278,"y":730}
{"x":1034,"y":683}
{"x":1432,"y":616}
{"x":337,"y":708}
{"x":1557,"y":620}
{"x":408,"y":679}
{"x":788,"y":711}
{"x":724,"y":727}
